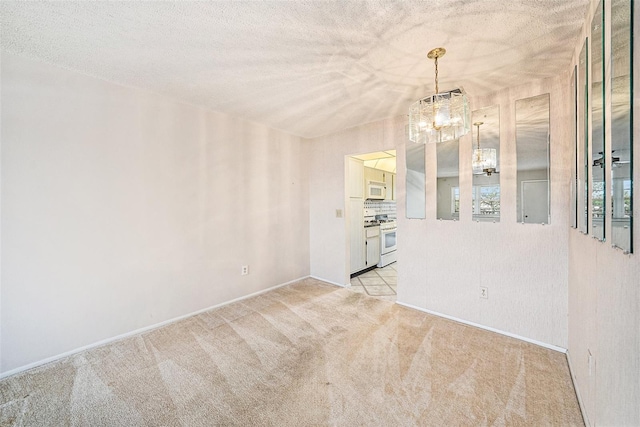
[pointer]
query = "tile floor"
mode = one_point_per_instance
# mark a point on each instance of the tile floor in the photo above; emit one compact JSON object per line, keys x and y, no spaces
{"x":380,"y":282}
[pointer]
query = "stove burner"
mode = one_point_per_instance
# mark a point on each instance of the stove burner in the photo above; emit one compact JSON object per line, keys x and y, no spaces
{"x":379,"y":221}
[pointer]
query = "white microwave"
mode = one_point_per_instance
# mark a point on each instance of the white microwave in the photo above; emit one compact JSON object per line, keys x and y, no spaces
{"x":376,"y":190}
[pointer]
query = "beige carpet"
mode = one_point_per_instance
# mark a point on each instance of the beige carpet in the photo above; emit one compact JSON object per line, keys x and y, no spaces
{"x":302,"y":355}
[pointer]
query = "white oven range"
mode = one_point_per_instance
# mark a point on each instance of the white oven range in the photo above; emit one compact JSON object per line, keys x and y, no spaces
{"x":387,"y":243}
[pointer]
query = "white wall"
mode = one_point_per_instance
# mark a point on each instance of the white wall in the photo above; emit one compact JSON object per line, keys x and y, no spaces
{"x":604,"y":297}
{"x":524,"y":267}
{"x":443,"y":263}
{"x":122,"y":209}
{"x":328,"y":239}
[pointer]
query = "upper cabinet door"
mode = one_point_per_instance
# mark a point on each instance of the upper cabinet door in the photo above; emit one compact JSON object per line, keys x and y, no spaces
{"x":388,"y":182}
{"x":372,"y":174}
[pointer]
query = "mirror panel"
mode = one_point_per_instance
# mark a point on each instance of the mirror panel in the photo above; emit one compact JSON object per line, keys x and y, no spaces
{"x":532,"y":150}
{"x":486,"y":182}
{"x":574,"y":159}
{"x":598,"y":185}
{"x":583,"y":142}
{"x":621,"y":125}
{"x":448,"y":184}
{"x":416,"y":185}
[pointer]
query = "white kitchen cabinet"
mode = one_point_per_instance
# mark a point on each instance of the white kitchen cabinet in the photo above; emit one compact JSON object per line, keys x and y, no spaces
{"x":394,"y":186}
{"x":358,"y":254}
{"x":390,"y":184}
{"x":356,"y":178}
{"x":372,"y":235}
{"x":388,"y":178}
{"x":371,"y":174}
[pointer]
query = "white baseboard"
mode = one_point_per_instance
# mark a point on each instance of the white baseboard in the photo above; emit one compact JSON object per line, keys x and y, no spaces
{"x":328,"y":281}
{"x":138,"y":331}
{"x":585,"y":418}
{"x":477,"y":325}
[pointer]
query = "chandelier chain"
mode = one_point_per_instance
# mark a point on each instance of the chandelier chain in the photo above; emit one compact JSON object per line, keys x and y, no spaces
{"x":436,"y":60}
{"x":477,"y":125}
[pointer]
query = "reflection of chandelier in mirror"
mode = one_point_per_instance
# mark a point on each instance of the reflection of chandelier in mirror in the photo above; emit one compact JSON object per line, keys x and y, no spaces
{"x":484,"y":159}
{"x":440,"y":117}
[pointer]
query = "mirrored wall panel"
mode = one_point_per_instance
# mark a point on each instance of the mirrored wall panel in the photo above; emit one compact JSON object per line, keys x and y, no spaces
{"x":621,"y":125}
{"x":598,"y":206}
{"x":574,"y":159}
{"x":416,"y":190}
{"x":583,"y":142}
{"x":448,"y":187}
{"x":485,"y":162}
{"x":532,"y":150}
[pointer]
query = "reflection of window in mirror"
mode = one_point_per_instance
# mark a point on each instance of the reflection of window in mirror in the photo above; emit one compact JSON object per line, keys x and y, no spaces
{"x":485,"y":164}
{"x":486,"y":202}
{"x":598,"y":199}
{"x":455,"y":202}
{"x":621,"y":126}
{"x":532,"y":150}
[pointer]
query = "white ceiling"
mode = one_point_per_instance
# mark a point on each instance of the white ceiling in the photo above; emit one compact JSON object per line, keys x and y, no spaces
{"x":383,"y":160}
{"x":306,"y":67}
{"x":376,"y":155}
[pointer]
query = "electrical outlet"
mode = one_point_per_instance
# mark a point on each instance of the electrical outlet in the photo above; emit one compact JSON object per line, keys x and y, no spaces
{"x":484,"y":292}
{"x":245,"y":270}
{"x":338,"y":213}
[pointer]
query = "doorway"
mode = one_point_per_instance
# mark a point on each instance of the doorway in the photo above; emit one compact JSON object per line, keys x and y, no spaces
{"x":535,"y":202}
{"x":370,"y":193}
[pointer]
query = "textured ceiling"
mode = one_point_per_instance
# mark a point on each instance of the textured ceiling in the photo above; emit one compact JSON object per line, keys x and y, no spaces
{"x":306,"y":67}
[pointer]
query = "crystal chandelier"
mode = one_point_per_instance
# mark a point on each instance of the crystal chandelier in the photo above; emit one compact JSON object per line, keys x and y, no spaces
{"x":440,"y":117}
{"x":484,"y":159}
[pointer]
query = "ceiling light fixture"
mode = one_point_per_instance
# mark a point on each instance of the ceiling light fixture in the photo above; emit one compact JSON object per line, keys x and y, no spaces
{"x":484,"y":159}
{"x":440,"y":117}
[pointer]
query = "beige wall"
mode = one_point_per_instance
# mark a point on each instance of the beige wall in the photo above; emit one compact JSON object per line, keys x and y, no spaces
{"x":122,"y":209}
{"x":604,"y":300}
